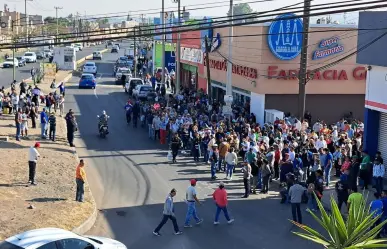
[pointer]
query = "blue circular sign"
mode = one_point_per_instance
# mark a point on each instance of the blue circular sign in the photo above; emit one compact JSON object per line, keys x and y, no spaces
{"x":285,"y":37}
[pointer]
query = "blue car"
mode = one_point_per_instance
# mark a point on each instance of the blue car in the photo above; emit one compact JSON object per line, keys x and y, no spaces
{"x":87,"y":80}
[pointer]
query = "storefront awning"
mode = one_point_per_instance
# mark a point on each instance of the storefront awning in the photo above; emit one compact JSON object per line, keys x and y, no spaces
{"x":190,"y":68}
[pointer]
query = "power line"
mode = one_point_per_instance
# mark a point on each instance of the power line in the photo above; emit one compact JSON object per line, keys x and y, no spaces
{"x":222,"y":25}
{"x":251,"y":22}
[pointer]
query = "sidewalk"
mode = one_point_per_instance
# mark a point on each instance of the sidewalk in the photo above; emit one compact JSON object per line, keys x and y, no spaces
{"x":53,"y":198}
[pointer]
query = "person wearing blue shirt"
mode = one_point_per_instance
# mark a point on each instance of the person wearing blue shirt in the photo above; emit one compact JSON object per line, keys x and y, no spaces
{"x":128,"y":107}
{"x":384,"y":215}
{"x":327,"y":166}
{"x":376,"y":209}
{"x":298,"y":167}
{"x":43,"y":123}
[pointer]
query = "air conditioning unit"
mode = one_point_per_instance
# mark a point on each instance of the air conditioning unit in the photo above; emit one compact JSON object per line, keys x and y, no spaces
{"x":271,"y":115}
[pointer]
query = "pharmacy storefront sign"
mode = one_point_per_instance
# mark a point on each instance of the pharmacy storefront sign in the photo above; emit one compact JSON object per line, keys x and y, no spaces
{"x":328,"y":47}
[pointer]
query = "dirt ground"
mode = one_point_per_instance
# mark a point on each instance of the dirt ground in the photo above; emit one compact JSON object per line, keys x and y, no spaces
{"x":54,"y":196}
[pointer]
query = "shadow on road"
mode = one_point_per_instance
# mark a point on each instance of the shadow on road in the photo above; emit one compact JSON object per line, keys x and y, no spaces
{"x":258,"y":224}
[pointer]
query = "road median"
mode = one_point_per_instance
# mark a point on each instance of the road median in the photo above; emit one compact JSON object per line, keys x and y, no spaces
{"x":51,"y":203}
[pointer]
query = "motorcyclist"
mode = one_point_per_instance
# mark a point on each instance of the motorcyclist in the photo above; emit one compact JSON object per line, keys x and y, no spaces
{"x":103,"y":120}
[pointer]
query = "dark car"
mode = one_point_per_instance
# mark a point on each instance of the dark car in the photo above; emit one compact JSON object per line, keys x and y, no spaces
{"x":40,"y":56}
{"x":22,"y":61}
{"x":114,"y":49}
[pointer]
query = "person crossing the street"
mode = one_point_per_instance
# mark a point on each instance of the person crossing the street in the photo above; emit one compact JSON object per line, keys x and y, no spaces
{"x":168,"y":213}
{"x":191,"y":198}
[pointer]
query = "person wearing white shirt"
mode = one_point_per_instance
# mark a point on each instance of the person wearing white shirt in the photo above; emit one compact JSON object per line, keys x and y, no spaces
{"x":321,"y":143}
{"x":33,"y":156}
{"x":335,"y":134}
{"x":378,"y":174}
{"x":15,"y":102}
{"x":297,"y":125}
{"x":317,"y":127}
{"x":231,"y":160}
{"x":292,"y":154}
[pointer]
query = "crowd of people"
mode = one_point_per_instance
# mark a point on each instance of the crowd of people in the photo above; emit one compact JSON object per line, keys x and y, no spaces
{"x":300,"y":155}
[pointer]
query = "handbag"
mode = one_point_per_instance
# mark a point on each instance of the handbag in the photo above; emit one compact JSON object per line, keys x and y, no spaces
{"x":169,"y":156}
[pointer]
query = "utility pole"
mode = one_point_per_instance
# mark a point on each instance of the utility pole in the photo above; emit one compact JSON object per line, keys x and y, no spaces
{"x":303,"y":77}
{"x":26,"y":18}
{"x":178,"y":49}
{"x":135,"y":51}
{"x":13,"y":51}
{"x":57,"y":22}
{"x":163,"y":43}
{"x":229,"y":62}
{"x":208,"y":69}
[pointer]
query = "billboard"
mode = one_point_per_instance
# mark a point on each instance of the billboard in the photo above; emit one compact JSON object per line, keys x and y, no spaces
{"x":169,"y":55}
{"x":170,"y":21}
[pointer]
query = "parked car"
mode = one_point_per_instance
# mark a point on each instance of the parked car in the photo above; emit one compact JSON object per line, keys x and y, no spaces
{"x":90,"y":67}
{"x":133,"y":82}
{"x":123,"y":71}
{"x":10,"y":62}
{"x":142,"y":91}
{"x":87,"y":80}
{"x":30,"y":57}
{"x":40,"y":56}
{"x":115,"y":49}
{"x":97,"y":55}
{"x":55,"y":238}
{"x":48,"y":53}
{"x":22,"y":61}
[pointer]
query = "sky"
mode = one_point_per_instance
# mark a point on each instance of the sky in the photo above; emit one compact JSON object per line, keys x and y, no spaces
{"x":149,"y":7}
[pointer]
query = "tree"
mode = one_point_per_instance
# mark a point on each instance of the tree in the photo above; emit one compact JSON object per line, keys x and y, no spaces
{"x":241,"y":9}
{"x":359,"y":231}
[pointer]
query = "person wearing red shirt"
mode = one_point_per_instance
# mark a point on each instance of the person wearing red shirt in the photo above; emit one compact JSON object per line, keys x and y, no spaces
{"x":220,"y":198}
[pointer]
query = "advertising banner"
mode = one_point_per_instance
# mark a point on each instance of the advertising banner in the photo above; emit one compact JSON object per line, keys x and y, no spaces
{"x":170,"y":21}
{"x":169,"y":55}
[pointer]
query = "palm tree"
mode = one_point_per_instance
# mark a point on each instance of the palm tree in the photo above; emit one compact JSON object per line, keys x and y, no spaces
{"x":357,"y":232}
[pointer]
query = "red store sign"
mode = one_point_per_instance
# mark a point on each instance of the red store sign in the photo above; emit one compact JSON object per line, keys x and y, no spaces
{"x":243,"y":71}
{"x":359,"y":73}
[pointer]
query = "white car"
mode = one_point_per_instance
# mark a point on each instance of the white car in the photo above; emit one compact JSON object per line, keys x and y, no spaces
{"x":76,"y":49}
{"x":97,"y":55}
{"x":142,"y":91}
{"x":123,"y":71}
{"x":55,"y":238}
{"x":90,"y":67}
{"x":30,"y":57}
{"x":132,"y":84}
{"x":79,"y":46}
{"x":10,"y":62}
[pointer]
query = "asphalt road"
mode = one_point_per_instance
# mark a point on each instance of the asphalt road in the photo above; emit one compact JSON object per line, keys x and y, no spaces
{"x":130,"y":177}
{"x":6,"y":74}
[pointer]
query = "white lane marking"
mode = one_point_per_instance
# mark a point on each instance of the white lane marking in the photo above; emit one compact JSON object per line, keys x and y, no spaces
{"x":95,"y":92}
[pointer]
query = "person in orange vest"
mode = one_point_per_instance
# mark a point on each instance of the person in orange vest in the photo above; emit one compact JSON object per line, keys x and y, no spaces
{"x":80,"y":179}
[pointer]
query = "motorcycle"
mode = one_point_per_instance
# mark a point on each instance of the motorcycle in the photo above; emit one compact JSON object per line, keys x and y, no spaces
{"x":103,"y":129}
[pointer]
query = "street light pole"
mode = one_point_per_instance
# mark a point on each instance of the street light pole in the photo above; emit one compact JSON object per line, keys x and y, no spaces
{"x":27,"y":19}
{"x":163,"y":43}
{"x":57,"y":21}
